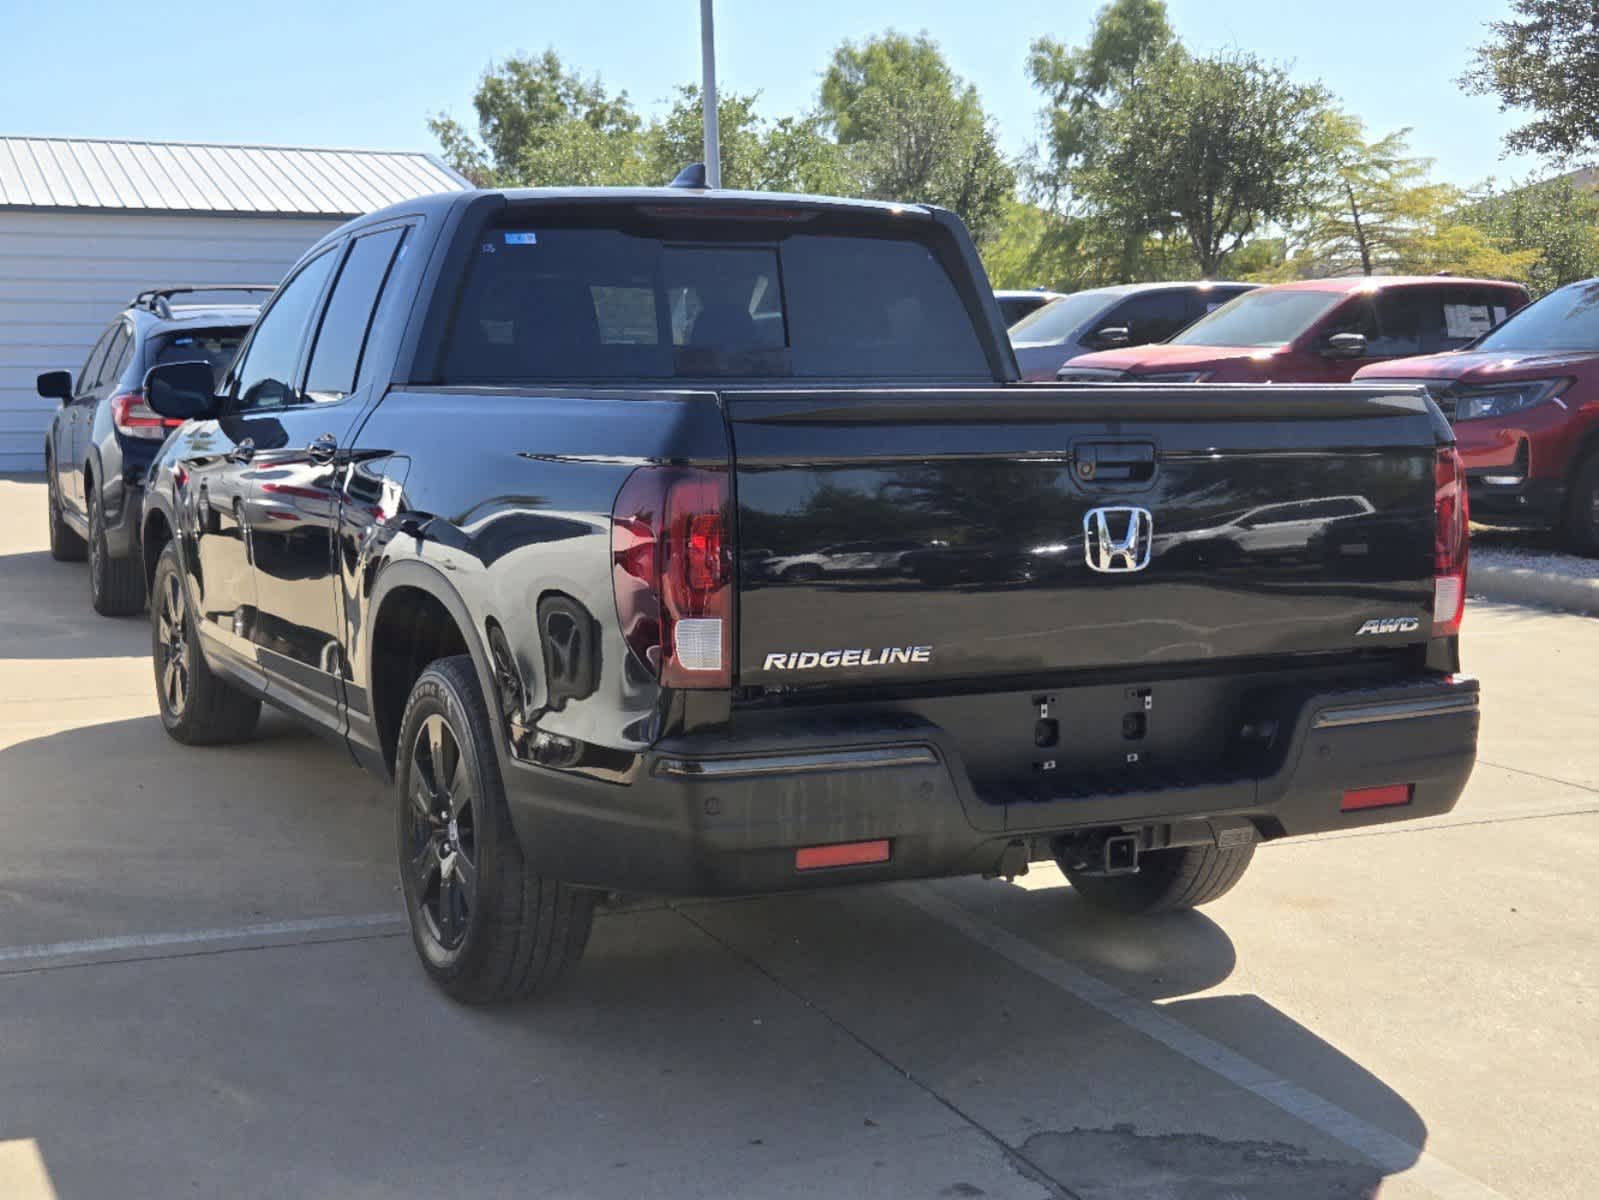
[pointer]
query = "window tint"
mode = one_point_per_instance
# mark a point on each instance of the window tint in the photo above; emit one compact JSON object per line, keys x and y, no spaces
{"x":1356,"y":315}
{"x":92,"y":364}
{"x":264,"y":376}
{"x":1410,"y":320}
{"x":1149,"y":316}
{"x":341,"y":339}
{"x":604,"y":304}
{"x":1267,"y":317}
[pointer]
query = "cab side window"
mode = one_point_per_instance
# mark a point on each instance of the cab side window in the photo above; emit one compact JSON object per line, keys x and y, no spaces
{"x":264,"y":377}
{"x":347,"y":322}
{"x":1356,"y":315}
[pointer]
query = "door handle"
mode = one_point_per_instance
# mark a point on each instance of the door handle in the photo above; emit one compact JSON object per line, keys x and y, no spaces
{"x":243,"y":452}
{"x":323,"y":449}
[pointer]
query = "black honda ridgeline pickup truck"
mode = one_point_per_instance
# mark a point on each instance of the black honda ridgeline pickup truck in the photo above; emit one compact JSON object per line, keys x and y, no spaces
{"x":683,"y":542}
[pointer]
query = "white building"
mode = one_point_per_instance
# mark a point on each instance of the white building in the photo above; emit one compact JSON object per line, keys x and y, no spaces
{"x":86,"y":224}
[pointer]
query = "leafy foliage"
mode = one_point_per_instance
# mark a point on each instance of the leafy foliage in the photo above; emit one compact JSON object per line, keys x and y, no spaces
{"x":1213,"y":148}
{"x":1547,"y":61}
{"x":914,"y":130}
{"x":1558,"y":219}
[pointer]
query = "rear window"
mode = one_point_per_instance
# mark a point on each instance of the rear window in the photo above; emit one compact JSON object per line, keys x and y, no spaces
{"x":215,"y":346}
{"x":551,"y":303}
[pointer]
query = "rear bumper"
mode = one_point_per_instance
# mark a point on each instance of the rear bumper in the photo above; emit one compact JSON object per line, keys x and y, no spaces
{"x":723,"y":816}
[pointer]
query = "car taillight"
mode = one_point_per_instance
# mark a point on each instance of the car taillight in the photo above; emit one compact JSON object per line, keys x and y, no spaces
{"x":672,"y":571}
{"x":1451,"y":539}
{"x":134,"y":418}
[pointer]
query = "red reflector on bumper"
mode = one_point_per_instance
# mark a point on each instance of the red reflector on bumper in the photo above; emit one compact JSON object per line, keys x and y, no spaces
{"x":846,"y":854}
{"x":1378,"y":797}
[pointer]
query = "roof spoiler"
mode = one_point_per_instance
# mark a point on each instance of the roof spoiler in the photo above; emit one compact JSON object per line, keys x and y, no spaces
{"x":158,"y":300}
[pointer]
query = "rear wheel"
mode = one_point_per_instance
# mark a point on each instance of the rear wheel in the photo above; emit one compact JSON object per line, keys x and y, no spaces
{"x":486,"y":927}
{"x":116,"y":585}
{"x":1582,"y":508}
{"x":65,"y":545}
{"x":197,"y":708}
{"x":1167,"y":880}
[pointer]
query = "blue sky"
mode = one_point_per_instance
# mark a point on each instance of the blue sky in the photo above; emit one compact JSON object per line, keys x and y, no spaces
{"x":364,"y":73}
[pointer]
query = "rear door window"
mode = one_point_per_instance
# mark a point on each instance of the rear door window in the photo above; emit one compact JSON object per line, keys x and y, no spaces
{"x":542,"y":304}
{"x":340,"y":341}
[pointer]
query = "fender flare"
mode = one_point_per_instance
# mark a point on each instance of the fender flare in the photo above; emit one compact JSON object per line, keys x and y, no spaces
{"x":425,"y":577}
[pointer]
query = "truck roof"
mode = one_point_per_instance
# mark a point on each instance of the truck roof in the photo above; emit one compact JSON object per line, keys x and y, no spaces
{"x":719,"y":197}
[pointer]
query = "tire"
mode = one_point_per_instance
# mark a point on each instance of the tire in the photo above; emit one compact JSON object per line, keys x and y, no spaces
{"x":65,"y":544}
{"x":487,"y":929}
{"x":1582,"y":508}
{"x":116,"y":585}
{"x":197,"y":707}
{"x":1167,"y":880}
{"x":802,"y":573}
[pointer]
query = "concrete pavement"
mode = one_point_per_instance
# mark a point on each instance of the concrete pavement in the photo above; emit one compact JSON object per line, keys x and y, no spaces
{"x":204,"y":990}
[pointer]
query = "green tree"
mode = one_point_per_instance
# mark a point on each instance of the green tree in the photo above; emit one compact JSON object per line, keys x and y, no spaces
{"x":1079,"y":83}
{"x":788,"y":155}
{"x":528,"y":113}
{"x":1548,"y":62}
{"x":914,"y":130}
{"x":1215,"y":149}
{"x":1374,"y":201}
{"x":1558,"y":218}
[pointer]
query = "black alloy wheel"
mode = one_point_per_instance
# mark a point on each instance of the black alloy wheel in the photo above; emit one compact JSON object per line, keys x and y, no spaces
{"x":442,"y":846}
{"x":172,"y":648}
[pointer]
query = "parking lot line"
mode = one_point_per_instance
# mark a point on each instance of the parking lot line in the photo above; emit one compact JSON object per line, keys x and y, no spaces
{"x":142,"y":946}
{"x":1375,"y":1145}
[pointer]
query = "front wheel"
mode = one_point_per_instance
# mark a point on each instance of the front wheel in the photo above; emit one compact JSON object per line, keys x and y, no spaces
{"x":197,"y":707}
{"x":1582,"y":508}
{"x":1166,"y":880}
{"x":486,"y":927}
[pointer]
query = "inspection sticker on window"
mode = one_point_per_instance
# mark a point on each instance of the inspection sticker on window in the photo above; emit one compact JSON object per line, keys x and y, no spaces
{"x":1467,"y":320}
{"x":521,"y":237}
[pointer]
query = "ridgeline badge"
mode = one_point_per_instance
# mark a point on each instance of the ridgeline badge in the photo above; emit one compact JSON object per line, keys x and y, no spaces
{"x":827,"y":660}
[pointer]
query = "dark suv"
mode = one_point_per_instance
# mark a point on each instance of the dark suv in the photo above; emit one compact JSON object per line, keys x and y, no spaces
{"x":105,"y":436}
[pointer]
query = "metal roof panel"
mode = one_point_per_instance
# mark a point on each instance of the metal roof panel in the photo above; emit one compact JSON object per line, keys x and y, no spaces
{"x":127,"y":175}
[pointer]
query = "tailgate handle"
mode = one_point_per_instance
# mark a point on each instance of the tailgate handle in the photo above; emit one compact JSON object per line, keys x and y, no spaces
{"x":1116,"y":462}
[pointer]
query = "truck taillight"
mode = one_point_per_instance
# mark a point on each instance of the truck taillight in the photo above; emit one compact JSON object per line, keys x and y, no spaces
{"x":1451,"y":539}
{"x":672,"y":571}
{"x":134,"y":418}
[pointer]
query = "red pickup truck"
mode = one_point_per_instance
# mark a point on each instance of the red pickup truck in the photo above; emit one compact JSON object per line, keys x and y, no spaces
{"x":1315,"y":331}
{"x":1524,"y":401}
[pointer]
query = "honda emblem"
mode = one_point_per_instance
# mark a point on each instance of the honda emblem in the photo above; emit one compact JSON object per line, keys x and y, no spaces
{"x":1118,"y":540}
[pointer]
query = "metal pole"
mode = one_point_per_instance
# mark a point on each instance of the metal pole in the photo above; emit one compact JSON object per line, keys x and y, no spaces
{"x":713,"y":146}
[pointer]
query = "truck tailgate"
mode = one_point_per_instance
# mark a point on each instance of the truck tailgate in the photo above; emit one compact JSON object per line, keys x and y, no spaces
{"x":925,"y":535}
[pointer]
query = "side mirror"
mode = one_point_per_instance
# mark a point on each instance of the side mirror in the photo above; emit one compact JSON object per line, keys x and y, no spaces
{"x":183,"y":391}
{"x":1345,"y":345}
{"x":1114,"y":335}
{"x":55,"y":385}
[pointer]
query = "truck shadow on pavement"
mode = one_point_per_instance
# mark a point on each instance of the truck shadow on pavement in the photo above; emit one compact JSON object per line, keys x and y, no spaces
{"x":840,"y":1025}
